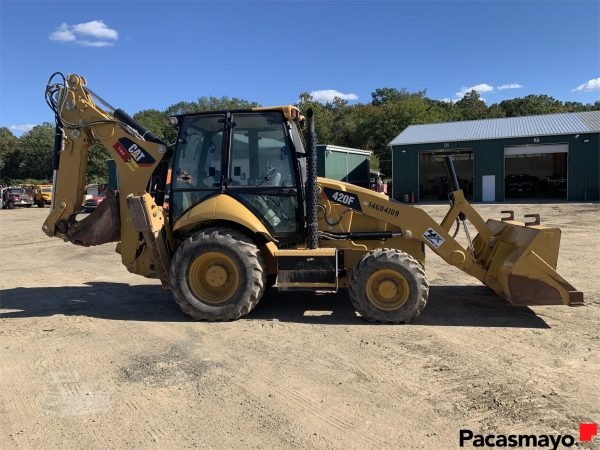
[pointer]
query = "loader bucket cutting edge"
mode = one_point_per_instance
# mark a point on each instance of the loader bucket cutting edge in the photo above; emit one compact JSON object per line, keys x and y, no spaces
{"x":521,"y":264}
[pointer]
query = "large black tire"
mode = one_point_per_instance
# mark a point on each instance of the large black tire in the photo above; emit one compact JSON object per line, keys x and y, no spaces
{"x":388,"y":286}
{"x":9,"y":205}
{"x":236,"y":257}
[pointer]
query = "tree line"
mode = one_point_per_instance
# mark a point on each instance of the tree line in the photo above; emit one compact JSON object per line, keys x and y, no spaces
{"x":368,"y":126}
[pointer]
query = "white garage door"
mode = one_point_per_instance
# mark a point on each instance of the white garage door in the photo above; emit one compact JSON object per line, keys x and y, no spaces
{"x":536,"y":149}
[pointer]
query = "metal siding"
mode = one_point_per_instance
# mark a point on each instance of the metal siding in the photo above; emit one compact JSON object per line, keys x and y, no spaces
{"x":583,"y":168}
{"x":344,"y":164}
{"x":113,"y":177}
{"x":321,"y":161}
{"x":583,"y":164}
{"x":510,"y":127}
{"x":488,"y":159}
{"x":358,"y":169}
{"x":405,"y":173}
{"x":336,"y":165}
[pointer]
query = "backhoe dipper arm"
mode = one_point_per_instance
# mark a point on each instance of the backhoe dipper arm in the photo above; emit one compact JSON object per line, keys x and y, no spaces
{"x":136,"y":152}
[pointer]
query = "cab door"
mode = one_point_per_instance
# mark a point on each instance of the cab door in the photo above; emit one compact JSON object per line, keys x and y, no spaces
{"x":262,"y":172}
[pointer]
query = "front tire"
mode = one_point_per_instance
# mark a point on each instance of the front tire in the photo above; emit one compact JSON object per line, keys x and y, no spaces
{"x":217,"y":274}
{"x":388,"y":286}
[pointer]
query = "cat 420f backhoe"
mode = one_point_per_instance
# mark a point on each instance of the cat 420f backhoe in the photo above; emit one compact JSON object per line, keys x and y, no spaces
{"x":235,"y":206}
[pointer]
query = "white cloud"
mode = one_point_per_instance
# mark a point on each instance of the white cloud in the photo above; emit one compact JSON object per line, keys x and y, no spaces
{"x":22,"y":128}
{"x":480,"y":88}
{"x":95,"y":43}
{"x":63,"y":34}
{"x":509,"y":86}
{"x":590,"y":85}
{"x":327,"y":95}
{"x":88,"y":34}
{"x":96,"y":29}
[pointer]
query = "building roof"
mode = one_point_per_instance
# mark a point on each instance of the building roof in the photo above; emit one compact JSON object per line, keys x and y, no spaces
{"x":337,"y":148}
{"x":509,"y":127}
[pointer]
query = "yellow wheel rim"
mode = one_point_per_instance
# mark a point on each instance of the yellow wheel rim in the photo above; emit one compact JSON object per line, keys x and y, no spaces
{"x":387,"y":290}
{"x":213,"y":278}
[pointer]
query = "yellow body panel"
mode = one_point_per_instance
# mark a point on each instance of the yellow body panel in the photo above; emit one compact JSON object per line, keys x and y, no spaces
{"x":289,"y":112}
{"x":223,"y":208}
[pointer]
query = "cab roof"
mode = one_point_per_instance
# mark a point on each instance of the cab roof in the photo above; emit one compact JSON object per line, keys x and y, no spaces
{"x":290,"y":112}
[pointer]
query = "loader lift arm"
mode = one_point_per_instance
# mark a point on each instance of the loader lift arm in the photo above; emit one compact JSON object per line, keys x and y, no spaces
{"x":80,"y":122}
{"x":515,"y":259}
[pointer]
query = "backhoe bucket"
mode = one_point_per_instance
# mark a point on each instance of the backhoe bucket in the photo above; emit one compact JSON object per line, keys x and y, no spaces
{"x":101,"y":226}
{"x":521,"y":263}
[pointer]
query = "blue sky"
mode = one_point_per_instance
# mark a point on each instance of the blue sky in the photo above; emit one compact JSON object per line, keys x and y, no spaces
{"x":141,"y":55}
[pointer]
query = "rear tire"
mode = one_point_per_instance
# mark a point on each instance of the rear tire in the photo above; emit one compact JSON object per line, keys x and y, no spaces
{"x":217,"y":274}
{"x":388,"y":286}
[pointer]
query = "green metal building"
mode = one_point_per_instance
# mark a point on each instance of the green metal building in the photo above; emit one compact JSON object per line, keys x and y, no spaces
{"x":344,"y":164}
{"x":552,"y":156}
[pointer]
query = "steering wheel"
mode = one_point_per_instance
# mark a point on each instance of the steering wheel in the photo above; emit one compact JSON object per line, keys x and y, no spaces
{"x":267,"y":176}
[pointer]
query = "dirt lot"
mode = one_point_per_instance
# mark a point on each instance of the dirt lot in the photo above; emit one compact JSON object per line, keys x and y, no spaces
{"x":92,"y":356}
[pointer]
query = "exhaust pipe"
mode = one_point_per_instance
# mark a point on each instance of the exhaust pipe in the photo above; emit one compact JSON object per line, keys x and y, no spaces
{"x":312,"y":226}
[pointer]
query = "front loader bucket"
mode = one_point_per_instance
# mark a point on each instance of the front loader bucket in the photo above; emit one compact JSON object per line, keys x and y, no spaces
{"x":521,"y":264}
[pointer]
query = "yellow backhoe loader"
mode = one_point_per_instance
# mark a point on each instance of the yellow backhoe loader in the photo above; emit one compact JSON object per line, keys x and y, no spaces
{"x":235,"y":206}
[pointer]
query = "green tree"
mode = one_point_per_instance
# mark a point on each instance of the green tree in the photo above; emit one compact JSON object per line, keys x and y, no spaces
{"x":182,"y":108}
{"x":222,"y":103}
{"x":158,"y":123}
{"x":8,"y":145}
{"x":381,"y":96}
{"x":97,"y":171}
{"x":532,"y":105}
{"x":471,"y":106}
{"x":496,"y":111}
{"x":34,"y":153}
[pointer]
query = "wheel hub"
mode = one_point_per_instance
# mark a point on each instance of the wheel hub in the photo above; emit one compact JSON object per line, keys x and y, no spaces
{"x":213,"y":277}
{"x":387,"y":289}
{"x":216,"y":276}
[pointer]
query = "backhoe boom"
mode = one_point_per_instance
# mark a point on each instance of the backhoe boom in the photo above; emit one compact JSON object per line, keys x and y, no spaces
{"x":81,"y":123}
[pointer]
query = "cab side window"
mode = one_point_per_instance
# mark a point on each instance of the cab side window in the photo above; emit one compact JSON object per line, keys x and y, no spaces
{"x":260,"y":152}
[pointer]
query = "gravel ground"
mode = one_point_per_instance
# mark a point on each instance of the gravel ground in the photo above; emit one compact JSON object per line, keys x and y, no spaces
{"x":94,"y":357}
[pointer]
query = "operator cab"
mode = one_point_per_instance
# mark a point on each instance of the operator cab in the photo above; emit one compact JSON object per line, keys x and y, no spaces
{"x":255,"y":156}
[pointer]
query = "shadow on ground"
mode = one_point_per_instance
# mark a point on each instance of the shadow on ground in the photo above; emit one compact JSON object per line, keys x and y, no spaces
{"x":471,"y":306}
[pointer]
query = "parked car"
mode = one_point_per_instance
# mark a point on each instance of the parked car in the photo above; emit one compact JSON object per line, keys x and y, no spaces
{"x":15,"y":196}
{"x":521,"y":185}
{"x":43,"y":195}
{"x":92,"y":203}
